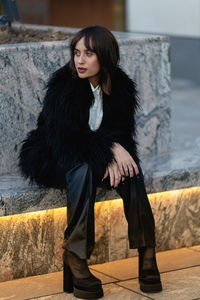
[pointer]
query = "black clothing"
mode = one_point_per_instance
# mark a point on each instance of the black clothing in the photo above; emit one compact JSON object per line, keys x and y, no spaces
{"x":63,"y":135}
{"x":81,"y":190}
{"x":63,"y":150}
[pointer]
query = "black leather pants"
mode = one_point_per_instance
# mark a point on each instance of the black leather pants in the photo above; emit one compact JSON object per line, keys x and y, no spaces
{"x":81,"y":184}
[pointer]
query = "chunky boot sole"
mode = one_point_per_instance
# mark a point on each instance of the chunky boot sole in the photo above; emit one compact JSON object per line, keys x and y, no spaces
{"x":150,"y":288}
{"x":71,"y":285}
{"x":88,"y":295}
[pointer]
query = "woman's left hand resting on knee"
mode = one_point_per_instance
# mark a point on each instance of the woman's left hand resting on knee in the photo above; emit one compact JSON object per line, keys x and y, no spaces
{"x":123,"y":165}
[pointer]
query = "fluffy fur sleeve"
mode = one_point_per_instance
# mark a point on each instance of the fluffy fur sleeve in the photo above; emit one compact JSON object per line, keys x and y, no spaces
{"x":45,"y":148}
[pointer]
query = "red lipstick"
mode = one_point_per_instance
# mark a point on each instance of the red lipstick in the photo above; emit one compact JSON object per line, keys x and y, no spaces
{"x":82,"y":70}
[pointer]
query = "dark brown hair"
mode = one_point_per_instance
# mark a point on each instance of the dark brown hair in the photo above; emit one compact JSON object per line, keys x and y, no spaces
{"x":101,"y":41}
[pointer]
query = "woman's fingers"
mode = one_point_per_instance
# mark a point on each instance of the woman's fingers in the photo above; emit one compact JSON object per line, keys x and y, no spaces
{"x":135,"y":167}
{"x":131,"y":168}
{"x":111,"y":176}
{"x":122,"y":170}
{"x":106,"y":173}
{"x":115,"y":176}
{"x":126,"y":168}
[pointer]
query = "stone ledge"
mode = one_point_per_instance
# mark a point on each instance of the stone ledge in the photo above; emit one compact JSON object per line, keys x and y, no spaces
{"x":175,"y":170}
{"x":162,"y":173}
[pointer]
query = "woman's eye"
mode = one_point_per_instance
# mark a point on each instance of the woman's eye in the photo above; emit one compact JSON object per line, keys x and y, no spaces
{"x":76,"y":53}
{"x":89,"y":53}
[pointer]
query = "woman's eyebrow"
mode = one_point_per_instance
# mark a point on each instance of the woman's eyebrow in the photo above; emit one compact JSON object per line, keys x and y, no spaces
{"x":75,"y":49}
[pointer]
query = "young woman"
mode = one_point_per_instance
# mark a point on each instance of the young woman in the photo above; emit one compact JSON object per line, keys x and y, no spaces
{"x":86,"y":137}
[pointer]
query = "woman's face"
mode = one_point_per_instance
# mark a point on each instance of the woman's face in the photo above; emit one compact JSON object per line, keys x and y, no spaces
{"x":86,"y":63}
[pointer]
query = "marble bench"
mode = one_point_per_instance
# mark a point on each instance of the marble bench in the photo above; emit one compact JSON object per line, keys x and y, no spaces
{"x":167,"y":172}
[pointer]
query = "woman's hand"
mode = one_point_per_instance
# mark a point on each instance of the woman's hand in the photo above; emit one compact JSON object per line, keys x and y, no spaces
{"x":122,"y":166}
{"x":113,"y":171}
{"x":124,"y":160}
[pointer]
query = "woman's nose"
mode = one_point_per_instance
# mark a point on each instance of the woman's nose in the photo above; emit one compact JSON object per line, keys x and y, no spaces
{"x":81,"y":58}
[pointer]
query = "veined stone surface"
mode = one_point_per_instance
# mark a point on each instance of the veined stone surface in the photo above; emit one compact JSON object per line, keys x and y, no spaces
{"x":30,"y":243}
{"x":177,"y":170}
{"x":177,"y":218}
{"x":25,"y":68}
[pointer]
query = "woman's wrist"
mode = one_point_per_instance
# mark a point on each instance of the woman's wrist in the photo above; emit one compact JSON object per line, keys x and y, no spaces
{"x":116,"y":146}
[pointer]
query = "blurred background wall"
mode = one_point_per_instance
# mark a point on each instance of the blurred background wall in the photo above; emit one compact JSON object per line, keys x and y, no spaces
{"x":174,"y":17}
{"x":74,"y":13}
{"x":181,"y":21}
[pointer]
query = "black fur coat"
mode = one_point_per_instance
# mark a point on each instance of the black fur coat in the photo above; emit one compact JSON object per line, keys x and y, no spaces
{"x":63,"y":136}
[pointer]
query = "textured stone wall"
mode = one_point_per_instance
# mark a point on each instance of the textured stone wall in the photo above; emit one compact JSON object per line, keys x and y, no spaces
{"x":25,"y":68}
{"x":31,"y":243}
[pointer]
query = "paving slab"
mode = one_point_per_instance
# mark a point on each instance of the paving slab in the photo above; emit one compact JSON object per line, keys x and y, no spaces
{"x":195,"y":248}
{"x":167,"y":261}
{"x":177,"y":285}
{"x":37,"y":286}
{"x":120,"y":269}
{"x":180,"y":276}
{"x":177,"y":259}
{"x":111,"y":292}
{"x":30,"y":287}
